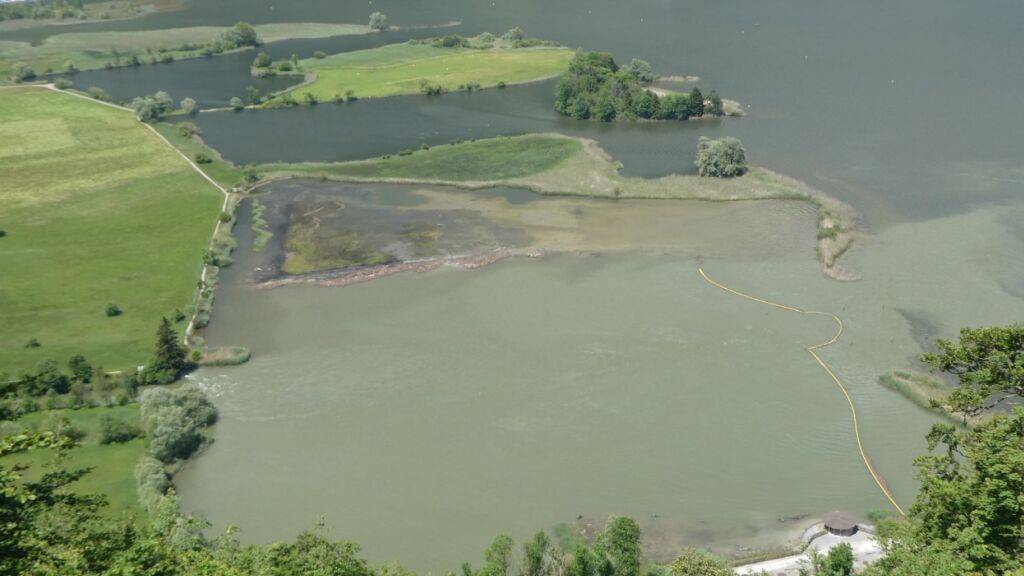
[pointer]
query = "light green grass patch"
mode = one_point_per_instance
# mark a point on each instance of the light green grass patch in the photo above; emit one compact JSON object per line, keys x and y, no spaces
{"x":399,"y":68}
{"x":490,"y":159}
{"x":112,"y":465}
{"x":118,"y":217}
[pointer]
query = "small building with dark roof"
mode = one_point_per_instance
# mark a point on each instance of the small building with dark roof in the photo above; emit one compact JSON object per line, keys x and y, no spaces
{"x":840,"y":524}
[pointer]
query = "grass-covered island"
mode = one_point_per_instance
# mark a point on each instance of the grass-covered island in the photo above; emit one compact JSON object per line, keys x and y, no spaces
{"x":21,"y":15}
{"x":563,"y":165}
{"x":430,"y":66}
{"x":69,"y":52}
{"x":597,"y":87}
{"x":105,"y":228}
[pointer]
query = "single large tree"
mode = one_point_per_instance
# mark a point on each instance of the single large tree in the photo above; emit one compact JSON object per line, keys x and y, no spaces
{"x":378,"y":21}
{"x":170,"y":354}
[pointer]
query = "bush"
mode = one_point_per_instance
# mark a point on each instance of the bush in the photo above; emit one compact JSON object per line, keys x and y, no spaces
{"x":97,"y":93}
{"x":189,"y":106}
{"x":236,"y":103}
{"x":514,"y":34}
{"x":641,"y":70}
{"x":242,"y":34}
{"x":262,"y":60}
{"x":114,"y":310}
{"x":81,"y":369}
{"x":23,"y":73}
{"x":114,"y":431}
{"x":724,"y":158}
{"x":151,"y":483}
{"x":63,"y":83}
{"x":429,"y":88}
{"x":188,"y":129}
{"x":319,"y":55}
{"x":152,"y":108}
{"x":63,"y":428}
{"x":33,"y":343}
{"x":224,"y":217}
{"x":378,"y":21}
{"x":203,"y":158}
{"x":310,"y":99}
{"x":174,"y":420}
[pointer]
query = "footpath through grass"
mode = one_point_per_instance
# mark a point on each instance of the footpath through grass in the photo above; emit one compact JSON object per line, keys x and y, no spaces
{"x":399,"y":68}
{"x":96,"y":210}
{"x":112,"y":465}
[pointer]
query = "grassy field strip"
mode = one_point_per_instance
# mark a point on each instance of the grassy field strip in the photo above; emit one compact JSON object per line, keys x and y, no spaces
{"x":224,"y":206}
{"x":112,"y":464}
{"x":399,"y":69}
{"x":92,"y":50}
{"x":46,"y":314}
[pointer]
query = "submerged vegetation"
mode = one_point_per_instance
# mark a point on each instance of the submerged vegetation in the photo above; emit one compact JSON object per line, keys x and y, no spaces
{"x":430,"y":66}
{"x":561,"y":165}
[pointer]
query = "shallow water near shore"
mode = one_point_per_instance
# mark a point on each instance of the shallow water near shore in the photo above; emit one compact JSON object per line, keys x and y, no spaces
{"x":422,"y":414}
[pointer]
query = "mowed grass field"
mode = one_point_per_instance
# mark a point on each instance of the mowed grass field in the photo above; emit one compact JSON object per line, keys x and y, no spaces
{"x":482,"y":160}
{"x":398,"y":68}
{"x":97,"y":210}
{"x":89,"y":50}
{"x":113,"y":465}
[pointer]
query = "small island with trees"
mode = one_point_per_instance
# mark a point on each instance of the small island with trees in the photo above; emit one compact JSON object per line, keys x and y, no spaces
{"x":596,"y":87}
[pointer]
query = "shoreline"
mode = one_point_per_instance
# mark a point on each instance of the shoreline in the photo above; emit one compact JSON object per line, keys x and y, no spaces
{"x":358,"y":275}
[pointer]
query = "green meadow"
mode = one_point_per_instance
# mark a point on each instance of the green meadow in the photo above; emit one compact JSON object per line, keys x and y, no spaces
{"x":490,"y":159}
{"x":399,"y":68}
{"x":112,"y":465}
{"x":96,"y":210}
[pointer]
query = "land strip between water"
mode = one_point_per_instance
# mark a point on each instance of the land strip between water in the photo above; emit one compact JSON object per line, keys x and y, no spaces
{"x":554,"y":164}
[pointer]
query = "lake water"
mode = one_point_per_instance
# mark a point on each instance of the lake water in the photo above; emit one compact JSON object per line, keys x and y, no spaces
{"x":421,"y":414}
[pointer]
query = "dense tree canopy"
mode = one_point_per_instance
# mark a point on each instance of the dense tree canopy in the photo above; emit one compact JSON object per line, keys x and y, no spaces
{"x":969,"y":513}
{"x":595,"y":87}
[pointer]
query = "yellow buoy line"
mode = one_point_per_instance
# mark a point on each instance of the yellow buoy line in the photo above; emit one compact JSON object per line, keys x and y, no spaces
{"x":813,"y":351}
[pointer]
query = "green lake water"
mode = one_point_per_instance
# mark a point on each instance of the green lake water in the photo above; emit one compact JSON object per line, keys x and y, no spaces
{"x":421,"y":414}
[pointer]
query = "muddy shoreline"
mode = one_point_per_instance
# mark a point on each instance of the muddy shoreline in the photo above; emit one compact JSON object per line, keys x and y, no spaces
{"x":348,"y":276}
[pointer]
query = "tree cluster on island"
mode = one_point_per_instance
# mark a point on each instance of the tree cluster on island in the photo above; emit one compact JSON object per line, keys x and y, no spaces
{"x":596,"y":87}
